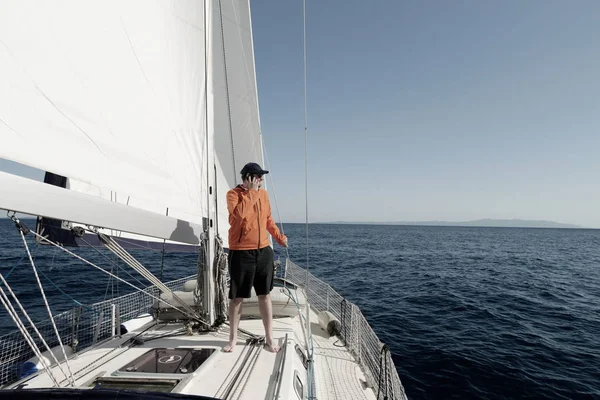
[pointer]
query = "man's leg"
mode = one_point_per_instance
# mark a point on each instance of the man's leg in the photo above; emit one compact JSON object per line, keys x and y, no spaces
{"x":266,"y":313}
{"x":263,"y":284}
{"x":235,"y":312}
{"x":242,"y":266}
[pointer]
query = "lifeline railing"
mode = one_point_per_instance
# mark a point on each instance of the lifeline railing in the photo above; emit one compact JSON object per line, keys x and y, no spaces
{"x":79,"y":327}
{"x":82,"y":327}
{"x":372,"y":355}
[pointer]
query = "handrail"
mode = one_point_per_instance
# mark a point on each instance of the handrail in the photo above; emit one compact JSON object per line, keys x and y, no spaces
{"x":78,"y":328}
{"x":359,"y":337}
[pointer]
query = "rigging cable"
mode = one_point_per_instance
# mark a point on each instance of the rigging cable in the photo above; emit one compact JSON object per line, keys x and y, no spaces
{"x":63,"y":292}
{"x":15,"y":317}
{"x":113,"y":246}
{"x":311,"y":354}
{"x":193,"y":317}
{"x":287,"y":253}
{"x":111,"y":261}
{"x":162,"y":260}
{"x":15,"y":267}
{"x":43,"y":359}
{"x":114,"y":276}
{"x":22,"y":230}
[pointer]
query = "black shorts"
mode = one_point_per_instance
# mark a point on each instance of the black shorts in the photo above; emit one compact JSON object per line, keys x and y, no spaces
{"x":249,"y":268}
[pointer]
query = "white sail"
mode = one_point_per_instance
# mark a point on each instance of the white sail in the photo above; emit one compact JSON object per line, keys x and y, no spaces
{"x":236,"y":119}
{"x":111,"y":95}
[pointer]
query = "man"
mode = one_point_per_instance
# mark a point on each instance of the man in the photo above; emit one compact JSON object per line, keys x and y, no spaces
{"x":250,"y":253}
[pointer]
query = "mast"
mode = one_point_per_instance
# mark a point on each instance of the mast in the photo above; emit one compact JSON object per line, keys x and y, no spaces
{"x":208,"y":292}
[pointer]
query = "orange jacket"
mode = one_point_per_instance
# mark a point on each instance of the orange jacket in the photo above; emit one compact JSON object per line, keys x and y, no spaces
{"x":250,"y":219}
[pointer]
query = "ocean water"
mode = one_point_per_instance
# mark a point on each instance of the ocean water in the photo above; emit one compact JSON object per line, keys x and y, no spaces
{"x":468,"y":313}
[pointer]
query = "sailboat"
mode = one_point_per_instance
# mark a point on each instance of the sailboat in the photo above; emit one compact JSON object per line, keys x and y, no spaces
{"x":142,"y":113}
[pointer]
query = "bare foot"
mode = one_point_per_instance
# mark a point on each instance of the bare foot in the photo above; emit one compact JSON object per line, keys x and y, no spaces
{"x":271,"y":347}
{"x":229,"y":348}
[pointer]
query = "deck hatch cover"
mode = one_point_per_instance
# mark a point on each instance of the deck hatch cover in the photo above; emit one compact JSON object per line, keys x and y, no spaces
{"x":169,"y":361}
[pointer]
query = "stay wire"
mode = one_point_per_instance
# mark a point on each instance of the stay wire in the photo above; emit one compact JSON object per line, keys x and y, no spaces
{"x":113,"y":262}
{"x":42,"y":360}
{"x":72,"y":380}
{"x":287,"y":253}
{"x":119,"y":279}
{"x":311,"y":354}
{"x":28,"y":338}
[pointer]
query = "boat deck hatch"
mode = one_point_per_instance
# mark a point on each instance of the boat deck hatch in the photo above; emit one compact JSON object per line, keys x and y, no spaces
{"x":151,"y":385}
{"x":169,"y":361}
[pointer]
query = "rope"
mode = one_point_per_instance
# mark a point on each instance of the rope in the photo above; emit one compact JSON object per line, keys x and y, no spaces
{"x":34,"y":328}
{"x":108,"y":273}
{"x":63,"y":292}
{"x":113,"y":246}
{"x":112,"y":262}
{"x":130,"y":343}
{"x":14,"y":316}
{"x":162,"y":260}
{"x":15,"y":267}
{"x":384,"y":349}
{"x":93,"y":363}
{"x":220,"y":267}
{"x":62,"y":347}
{"x":194,"y":317}
{"x":132,"y":262}
{"x":202,"y":259}
{"x":75,"y":322}
{"x":109,"y":284}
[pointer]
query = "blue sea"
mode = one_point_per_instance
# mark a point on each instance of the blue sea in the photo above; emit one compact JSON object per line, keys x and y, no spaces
{"x":469,"y":313}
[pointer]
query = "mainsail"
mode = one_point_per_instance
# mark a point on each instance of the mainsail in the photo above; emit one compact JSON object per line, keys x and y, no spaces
{"x":143,"y":111}
{"x":111,"y":95}
{"x":140,"y":103}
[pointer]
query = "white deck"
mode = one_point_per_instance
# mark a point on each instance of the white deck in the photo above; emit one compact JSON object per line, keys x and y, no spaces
{"x":337,"y":375}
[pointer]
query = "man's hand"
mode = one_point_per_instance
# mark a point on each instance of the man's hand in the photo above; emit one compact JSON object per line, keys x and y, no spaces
{"x":284,"y":243}
{"x":253,"y":183}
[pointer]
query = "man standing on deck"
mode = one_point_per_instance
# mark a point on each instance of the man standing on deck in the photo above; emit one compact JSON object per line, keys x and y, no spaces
{"x":250,"y":253}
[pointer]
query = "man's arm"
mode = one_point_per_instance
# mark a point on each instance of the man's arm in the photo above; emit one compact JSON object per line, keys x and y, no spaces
{"x":274,"y":231}
{"x":240,"y":209}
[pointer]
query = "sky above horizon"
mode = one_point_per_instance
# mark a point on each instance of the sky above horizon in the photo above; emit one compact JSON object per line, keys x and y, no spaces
{"x":423,"y":110}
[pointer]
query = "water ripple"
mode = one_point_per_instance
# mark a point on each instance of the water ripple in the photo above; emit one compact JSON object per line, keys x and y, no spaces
{"x":468,"y":313}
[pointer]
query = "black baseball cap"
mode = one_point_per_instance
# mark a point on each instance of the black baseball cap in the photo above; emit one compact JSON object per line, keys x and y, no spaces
{"x":253,"y":169}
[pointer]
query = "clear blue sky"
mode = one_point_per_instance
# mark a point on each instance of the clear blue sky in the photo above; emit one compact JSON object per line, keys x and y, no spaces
{"x":429,"y":110}
{"x":432,"y":110}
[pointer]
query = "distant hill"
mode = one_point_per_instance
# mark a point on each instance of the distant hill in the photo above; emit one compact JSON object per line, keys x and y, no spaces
{"x":492,"y":223}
